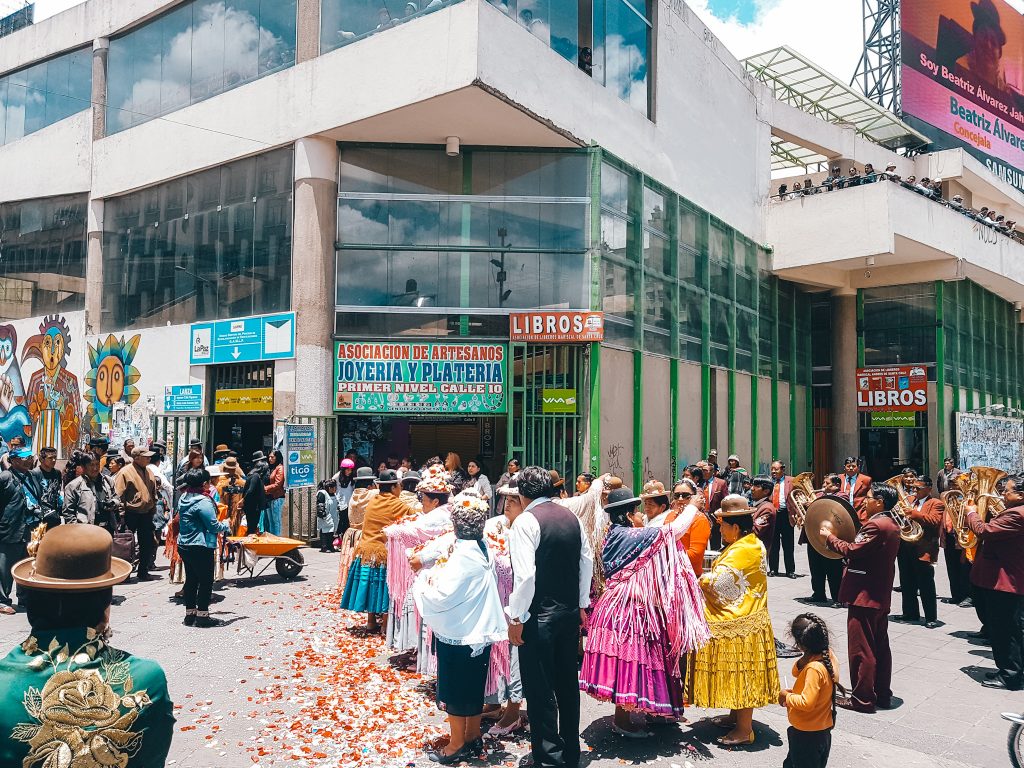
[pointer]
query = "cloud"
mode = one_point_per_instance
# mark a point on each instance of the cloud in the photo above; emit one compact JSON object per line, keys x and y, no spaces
{"x":828,"y":32}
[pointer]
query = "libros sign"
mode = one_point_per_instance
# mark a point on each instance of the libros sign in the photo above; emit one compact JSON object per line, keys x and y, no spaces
{"x":892,"y":388}
{"x":389,"y":377}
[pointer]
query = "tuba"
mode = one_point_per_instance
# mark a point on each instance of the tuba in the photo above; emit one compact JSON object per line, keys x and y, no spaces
{"x":802,"y":495}
{"x":962,"y":494}
{"x":910,"y":530}
{"x":982,"y":494}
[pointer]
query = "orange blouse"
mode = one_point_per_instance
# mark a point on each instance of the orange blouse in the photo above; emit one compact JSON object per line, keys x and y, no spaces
{"x":695,"y":541}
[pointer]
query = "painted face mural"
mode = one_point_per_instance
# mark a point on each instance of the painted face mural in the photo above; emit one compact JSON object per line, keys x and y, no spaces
{"x":111,"y":379}
{"x":14,"y":416}
{"x":52,"y":395}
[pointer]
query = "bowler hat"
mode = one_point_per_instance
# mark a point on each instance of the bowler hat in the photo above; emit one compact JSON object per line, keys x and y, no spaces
{"x":734,"y":505}
{"x":364,"y":476}
{"x":258,"y":456}
{"x":72,"y":558}
{"x":140,"y":451}
{"x":221,"y":448}
{"x":654,"y":489}
{"x":621,"y":497}
{"x":556,"y":479}
{"x":388,"y":477}
{"x":231,"y":464}
{"x":99,"y":442}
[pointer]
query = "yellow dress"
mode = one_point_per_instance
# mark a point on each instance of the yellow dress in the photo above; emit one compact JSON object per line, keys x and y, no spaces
{"x":738,"y":668}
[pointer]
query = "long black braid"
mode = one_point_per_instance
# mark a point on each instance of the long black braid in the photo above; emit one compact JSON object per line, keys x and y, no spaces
{"x":811,"y":634}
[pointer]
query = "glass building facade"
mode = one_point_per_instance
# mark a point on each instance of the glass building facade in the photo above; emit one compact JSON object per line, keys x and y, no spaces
{"x":216,"y":244}
{"x":195,"y":51}
{"x":610,"y":40}
{"x":434,"y":237}
{"x":40,"y":95}
{"x":42,"y":256}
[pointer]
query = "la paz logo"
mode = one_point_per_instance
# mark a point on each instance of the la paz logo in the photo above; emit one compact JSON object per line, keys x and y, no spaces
{"x":202,"y":343}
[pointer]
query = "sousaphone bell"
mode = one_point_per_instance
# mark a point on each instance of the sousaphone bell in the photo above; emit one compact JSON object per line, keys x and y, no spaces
{"x":837,"y":511}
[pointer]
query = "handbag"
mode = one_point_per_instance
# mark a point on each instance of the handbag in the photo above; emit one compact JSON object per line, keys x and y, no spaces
{"x":124,"y":545}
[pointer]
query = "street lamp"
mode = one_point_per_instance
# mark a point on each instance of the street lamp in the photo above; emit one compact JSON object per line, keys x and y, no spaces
{"x":502,"y":277}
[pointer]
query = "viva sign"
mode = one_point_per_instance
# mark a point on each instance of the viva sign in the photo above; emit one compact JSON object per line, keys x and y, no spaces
{"x":892,"y":388}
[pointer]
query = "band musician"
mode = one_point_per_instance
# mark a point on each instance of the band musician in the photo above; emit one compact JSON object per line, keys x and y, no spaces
{"x":998,"y":578}
{"x":855,"y":483}
{"x":867,"y":590}
{"x":917,"y":560}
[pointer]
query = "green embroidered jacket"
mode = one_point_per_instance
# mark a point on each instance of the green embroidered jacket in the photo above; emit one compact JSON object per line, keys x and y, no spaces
{"x":71,"y":701}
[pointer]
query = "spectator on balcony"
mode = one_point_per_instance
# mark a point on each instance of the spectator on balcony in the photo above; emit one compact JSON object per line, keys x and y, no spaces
{"x":890,"y":173}
{"x":783,"y":191}
{"x":870,"y":176}
{"x":835,"y":180}
{"x":853,"y":178}
{"x":809,"y":188}
{"x":957,"y":203}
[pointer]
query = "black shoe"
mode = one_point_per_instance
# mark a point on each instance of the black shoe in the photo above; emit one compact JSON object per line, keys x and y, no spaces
{"x":792,"y":576}
{"x":190,"y":620}
{"x":977,"y":636}
{"x":438,"y":756}
{"x":816,"y":599}
{"x":992,"y":675}
{"x":897,"y":589}
{"x":147,"y":577}
{"x":899,"y":617}
{"x":844,"y":702}
{"x":206,"y":622}
{"x":999,"y":684}
{"x":966,"y":603}
{"x":773,"y":574}
{"x":931,"y":624}
{"x":838,"y":604}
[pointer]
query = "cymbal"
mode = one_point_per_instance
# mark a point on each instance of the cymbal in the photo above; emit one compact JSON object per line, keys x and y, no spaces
{"x":836,"y":510}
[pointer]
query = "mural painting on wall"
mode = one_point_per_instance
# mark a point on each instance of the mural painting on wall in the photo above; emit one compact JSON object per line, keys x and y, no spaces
{"x":111,"y":380}
{"x":52,"y":396}
{"x":14,"y":418}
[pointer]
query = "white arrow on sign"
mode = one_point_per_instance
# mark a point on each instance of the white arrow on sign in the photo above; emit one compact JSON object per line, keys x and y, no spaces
{"x":236,"y":354}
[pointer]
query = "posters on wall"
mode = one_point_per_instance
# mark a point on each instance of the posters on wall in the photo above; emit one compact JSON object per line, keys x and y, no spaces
{"x":990,"y":441}
{"x":963,"y":78}
{"x":425,"y":377}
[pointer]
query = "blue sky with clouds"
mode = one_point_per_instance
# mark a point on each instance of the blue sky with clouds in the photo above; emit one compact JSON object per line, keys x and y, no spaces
{"x":742,"y":11}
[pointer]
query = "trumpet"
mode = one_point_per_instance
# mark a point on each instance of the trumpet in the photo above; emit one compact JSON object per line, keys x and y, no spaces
{"x":802,"y":495}
{"x":910,"y":530}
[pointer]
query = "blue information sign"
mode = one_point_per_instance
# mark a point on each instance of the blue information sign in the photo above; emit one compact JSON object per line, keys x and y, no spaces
{"x":243,"y":340}
{"x":183,"y":399}
{"x":300,"y":455}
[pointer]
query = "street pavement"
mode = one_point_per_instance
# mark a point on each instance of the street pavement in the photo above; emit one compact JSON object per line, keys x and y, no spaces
{"x":289,"y":681}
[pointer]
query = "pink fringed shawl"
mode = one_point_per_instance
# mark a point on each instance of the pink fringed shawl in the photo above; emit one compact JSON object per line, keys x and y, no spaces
{"x":658,"y":589}
{"x":496,"y":538}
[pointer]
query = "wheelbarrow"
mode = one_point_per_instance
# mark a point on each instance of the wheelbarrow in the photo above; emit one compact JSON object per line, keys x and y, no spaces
{"x":267,"y":548}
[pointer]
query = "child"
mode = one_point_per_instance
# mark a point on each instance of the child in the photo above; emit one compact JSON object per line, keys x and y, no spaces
{"x":811,"y":702}
{"x":327,"y":514}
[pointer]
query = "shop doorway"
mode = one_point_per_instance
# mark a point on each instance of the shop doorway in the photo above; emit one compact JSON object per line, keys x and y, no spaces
{"x":243,"y":407}
{"x":376,"y":438}
{"x":887,"y":452}
{"x":244,"y":434}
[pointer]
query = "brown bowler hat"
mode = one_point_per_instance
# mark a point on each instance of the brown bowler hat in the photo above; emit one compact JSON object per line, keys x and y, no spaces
{"x":72,"y":558}
{"x":734,"y":505}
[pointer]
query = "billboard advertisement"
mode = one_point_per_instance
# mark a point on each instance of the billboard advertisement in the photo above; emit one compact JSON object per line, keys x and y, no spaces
{"x":422,"y":377}
{"x":963,"y":79}
{"x":902,"y":388}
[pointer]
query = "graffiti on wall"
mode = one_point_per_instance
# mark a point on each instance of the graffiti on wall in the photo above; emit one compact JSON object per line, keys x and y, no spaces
{"x":111,"y":380}
{"x":52,"y":395}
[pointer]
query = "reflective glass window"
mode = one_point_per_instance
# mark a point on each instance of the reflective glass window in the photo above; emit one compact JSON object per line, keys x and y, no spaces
{"x":42,"y":256}
{"x":195,"y":51}
{"x":659,"y":310}
{"x":216,"y":244}
{"x":45,"y":93}
{"x":691,"y":324}
{"x":622,"y":35}
{"x":344,"y":21}
{"x":618,"y":301}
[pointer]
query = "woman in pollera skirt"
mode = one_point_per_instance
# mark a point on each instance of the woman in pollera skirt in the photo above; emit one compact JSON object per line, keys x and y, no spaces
{"x":364,"y":489}
{"x":650,"y":614}
{"x":366,"y":589}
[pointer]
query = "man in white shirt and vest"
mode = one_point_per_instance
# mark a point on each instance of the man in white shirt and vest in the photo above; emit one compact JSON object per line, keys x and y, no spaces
{"x":782,"y":538}
{"x":553,"y":566}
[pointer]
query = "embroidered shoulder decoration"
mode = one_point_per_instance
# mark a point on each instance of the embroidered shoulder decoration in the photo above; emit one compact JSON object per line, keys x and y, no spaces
{"x":81,"y":717}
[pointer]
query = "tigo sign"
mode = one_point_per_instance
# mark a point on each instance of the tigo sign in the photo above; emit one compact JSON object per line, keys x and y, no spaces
{"x":565,"y":327}
{"x":892,"y":388}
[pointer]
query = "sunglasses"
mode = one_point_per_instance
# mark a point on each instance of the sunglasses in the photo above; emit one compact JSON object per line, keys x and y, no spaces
{"x":683,"y":495}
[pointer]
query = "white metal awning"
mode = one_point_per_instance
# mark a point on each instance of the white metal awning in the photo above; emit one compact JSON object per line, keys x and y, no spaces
{"x":797,"y":81}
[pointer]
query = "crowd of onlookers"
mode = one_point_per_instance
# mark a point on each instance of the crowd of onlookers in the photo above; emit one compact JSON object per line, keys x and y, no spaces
{"x":930,"y":188}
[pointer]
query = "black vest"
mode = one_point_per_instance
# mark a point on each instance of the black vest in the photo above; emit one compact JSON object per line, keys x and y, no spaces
{"x":558,"y":561}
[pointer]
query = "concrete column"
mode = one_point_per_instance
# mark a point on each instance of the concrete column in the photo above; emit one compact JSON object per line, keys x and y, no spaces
{"x":94,"y":268}
{"x":307,"y":30}
{"x":305,"y":387}
{"x":100,"y":48}
{"x":845,"y":433}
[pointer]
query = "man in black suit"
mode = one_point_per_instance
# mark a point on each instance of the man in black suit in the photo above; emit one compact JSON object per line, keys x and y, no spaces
{"x":553,"y":565}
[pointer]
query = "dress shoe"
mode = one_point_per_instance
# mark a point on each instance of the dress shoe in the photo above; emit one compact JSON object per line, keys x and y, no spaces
{"x":773,"y":574}
{"x":838,"y":604}
{"x":977,"y":636}
{"x":463,"y":753}
{"x":845,"y":702}
{"x":815,"y":599}
{"x":999,"y":684}
{"x":967,"y":603}
{"x":899,"y":617}
{"x":190,"y":620}
{"x":931,"y":624}
{"x":992,"y":675}
{"x":897,"y":589}
{"x":207,"y":622}
{"x":792,"y":576}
